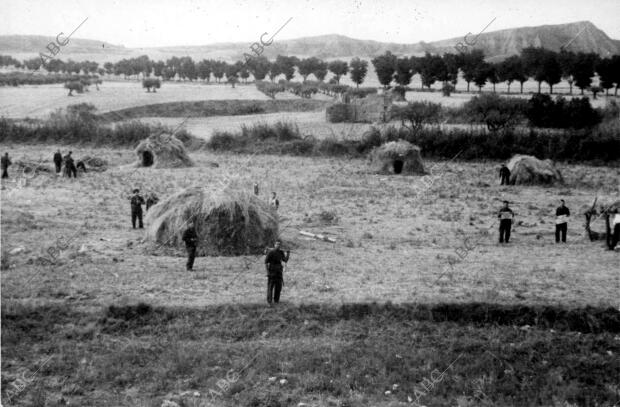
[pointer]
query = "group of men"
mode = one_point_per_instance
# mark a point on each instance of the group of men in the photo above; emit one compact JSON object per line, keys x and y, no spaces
{"x":506,"y":219}
{"x":70,"y":166}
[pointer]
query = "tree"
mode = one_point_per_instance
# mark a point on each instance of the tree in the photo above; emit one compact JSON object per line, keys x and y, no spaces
{"x":320,"y":71}
{"x":244,"y":73}
{"x":493,"y":75}
{"x":615,"y":68}
{"x":416,"y":114}
{"x":187,"y":68}
{"x":158,"y":68}
{"x":495,"y":111}
{"x":552,"y":72}
{"x":286,"y":66}
{"x":33,"y":64}
{"x":74,"y":86}
{"x":567,"y":62}
{"x":511,"y":69}
{"x":385,"y":66}
{"x":109,"y":68}
{"x":481,"y":74}
{"x":338,"y":68}
{"x":403,"y":71}
{"x":359,"y":69}
{"x":219,"y":69}
{"x":274,"y":71}
{"x":604,"y":69}
{"x":149,"y":83}
{"x":583,"y":70}
{"x":232,"y":74}
{"x":471,"y":62}
{"x":533,"y":63}
{"x":55,"y":65}
{"x":259,"y":67}
{"x":432,"y":67}
{"x":453,"y":63}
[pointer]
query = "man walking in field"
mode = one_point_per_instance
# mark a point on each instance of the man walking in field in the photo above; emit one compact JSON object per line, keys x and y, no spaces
{"x":5,"y":161}
{"x":273,"y":264}
{"x":561,"y":219}
{"x":506,"y":217}
{"x":136,"y":208}
{"x":504,"y":175}
{"x":58,"y":161}
{"x":190,"y":237}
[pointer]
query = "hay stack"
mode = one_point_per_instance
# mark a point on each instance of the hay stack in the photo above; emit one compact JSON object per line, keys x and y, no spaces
{"x":162,"y":151}
{"x":529,"y":170}
{"x":397,"y":157}
{"x":94,"y":163}
{"x":228,"y":223}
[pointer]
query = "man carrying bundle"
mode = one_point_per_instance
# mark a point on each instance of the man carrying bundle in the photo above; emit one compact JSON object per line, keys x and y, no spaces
{"x":273,"y":264}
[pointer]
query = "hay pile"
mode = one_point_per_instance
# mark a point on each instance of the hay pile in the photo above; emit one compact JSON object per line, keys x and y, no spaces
{"x":529,"y":170}
{"x":228,"y":223}
{"x":162,"y":151}
{"x":94,"y":163}
{"x":397,"y":157}
{"x":30,"y":167}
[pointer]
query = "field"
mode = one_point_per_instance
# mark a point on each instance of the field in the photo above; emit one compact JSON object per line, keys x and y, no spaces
{"x":364,"y":321}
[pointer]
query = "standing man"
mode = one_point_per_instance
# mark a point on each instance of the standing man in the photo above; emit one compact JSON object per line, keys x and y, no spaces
{"x":504,"y":175}
{"x":273,"y":264}
{"x":190,"y":237}
{"x":58,"y":161}
{"x":70,"y":166}
{"x":561,"y":219}
{"x":5,"y":161}
{"x":273,"y":202}
{"x":136,"y":208}
{"x":506,"y":217}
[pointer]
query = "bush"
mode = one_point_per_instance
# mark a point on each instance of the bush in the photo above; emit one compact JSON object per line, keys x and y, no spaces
{"x":447,"y":89}
{"x":416,"y":114}
{"x":495,"y":111}
{"x":74,"y":86}
{"x":337,"y":113}
{"x":269,"y":89}
{"x":151,"y":83}
{"x":542,"y":111}
{"x":361,"y":92}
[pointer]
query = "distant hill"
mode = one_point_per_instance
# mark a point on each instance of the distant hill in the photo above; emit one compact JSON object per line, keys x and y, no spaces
{"x":580,"y":36}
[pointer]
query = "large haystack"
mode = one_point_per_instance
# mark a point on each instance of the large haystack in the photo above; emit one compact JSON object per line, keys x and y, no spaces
{"x":162,"y":151}
{"x":397,"y":157}
{"x":529,"y":170}
{"x":228,"y":223}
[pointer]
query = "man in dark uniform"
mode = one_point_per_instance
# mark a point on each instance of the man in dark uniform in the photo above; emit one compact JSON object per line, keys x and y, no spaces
{"x":504,"y":174}
{"x":151,"y":200}
{"x":58,"y":161}
{"x":136,"y":208}
{"x":70,"y":166}
{"x":273,"y":264}
{"x":190,"y":237}
{"x":506,"y":217}
{"x":561,"y":225}
{"x":5,"y":162}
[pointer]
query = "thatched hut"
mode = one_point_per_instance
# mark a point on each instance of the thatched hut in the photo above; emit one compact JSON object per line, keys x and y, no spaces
{"x":228,"y":223}
{"x":529,"y":170}
{"x":397,"y":157}
{"x":162,"y":151}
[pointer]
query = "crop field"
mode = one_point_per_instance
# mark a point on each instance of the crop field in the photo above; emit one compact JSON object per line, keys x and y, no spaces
{"x":396,"y":242}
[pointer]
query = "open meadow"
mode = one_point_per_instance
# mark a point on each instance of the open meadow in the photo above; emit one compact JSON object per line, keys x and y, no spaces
{"x":125,"y":324}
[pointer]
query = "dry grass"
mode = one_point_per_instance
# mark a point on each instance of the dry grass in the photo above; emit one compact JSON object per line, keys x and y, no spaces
{"x":392,"y":244}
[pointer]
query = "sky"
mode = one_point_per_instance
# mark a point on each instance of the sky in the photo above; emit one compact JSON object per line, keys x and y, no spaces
{"x":156,"y":23}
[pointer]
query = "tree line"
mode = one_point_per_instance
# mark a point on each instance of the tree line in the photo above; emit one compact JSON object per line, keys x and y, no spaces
{"x":539,"y":64}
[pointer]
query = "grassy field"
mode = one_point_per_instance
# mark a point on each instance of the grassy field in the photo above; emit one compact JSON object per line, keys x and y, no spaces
{"x":325,"y":345}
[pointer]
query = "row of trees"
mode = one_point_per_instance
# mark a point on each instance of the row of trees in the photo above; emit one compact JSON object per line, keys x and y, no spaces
{"x":539,"y":64}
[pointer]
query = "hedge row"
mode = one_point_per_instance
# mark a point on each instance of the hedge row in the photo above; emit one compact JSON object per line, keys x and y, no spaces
{"x":21,"y":78}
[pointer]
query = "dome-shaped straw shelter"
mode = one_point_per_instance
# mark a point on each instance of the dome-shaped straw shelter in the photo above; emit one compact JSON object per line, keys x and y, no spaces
{"x":162,"y":151}
{"x":529,"y":170}
{"x":397,"y":157}
{"x":228,"y":223}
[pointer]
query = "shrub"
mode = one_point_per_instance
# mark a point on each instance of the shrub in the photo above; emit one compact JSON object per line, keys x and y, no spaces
{"x":74,"y":86}
{"x":542,"y":111}
{"x":337,"y":113}
{"x":416,"y":114}
{"x":447,"y":89}
{"x":269,"y":89}
{"x":361,"y":92}
{"x":151,"y":83}
{"x":495,"y":111}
